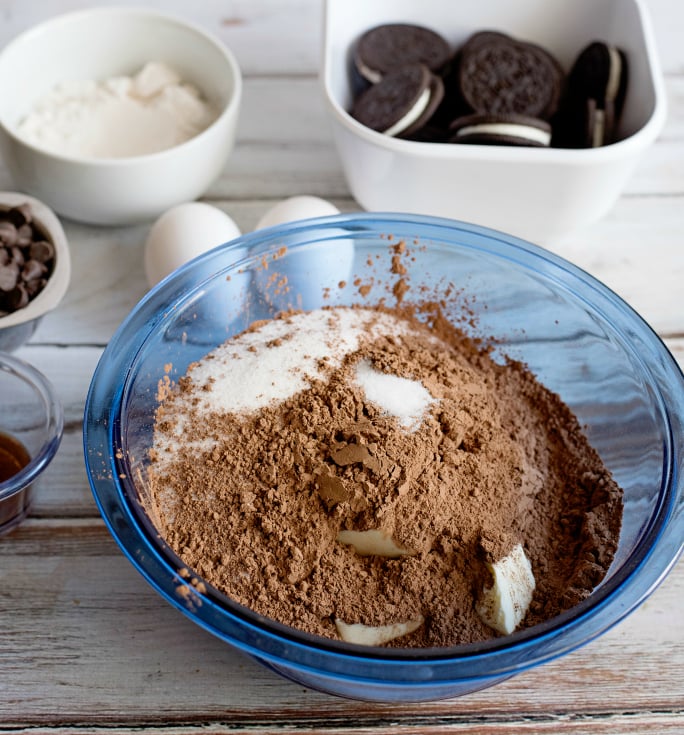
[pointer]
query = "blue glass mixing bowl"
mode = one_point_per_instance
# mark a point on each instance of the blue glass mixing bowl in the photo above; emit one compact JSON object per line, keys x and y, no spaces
{"x":578,"y":337}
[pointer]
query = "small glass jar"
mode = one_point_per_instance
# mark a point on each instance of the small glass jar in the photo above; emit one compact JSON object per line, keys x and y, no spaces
{"x":31,"y":423}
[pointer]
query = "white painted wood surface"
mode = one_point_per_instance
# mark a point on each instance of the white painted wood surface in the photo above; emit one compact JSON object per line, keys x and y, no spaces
{"x":87,"y":646}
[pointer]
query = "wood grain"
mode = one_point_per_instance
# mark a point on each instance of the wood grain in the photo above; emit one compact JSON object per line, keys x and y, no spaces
{"x":643,"y":263}
{"x":565,"y":725}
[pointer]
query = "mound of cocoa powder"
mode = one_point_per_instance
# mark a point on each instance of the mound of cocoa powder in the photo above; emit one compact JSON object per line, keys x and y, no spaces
{"x":254,"y":506}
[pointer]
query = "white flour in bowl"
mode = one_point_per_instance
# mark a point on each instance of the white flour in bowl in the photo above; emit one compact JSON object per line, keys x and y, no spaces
{"x":118,"y":117}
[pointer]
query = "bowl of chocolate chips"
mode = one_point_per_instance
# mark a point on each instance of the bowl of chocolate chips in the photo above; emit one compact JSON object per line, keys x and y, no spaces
{"x":391,"y":457}
{"x":35,"y":266}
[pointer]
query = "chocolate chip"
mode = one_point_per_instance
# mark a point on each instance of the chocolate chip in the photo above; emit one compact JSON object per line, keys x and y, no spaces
{"x":42,"y":250}
{"x":20,"y":215}
{"x":33,"y":269}
{"x":17,"y":298}
{"x":8,"y":233}
{"x":17,"y":256}
{"x":9,"y":275}
{"x":24,"y":235}
{"x":35,"y":287}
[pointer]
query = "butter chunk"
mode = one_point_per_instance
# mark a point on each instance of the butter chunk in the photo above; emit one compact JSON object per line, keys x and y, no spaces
{"x":504,"y":605}
{"x":370,"y":635}
{"x":374,"y":542}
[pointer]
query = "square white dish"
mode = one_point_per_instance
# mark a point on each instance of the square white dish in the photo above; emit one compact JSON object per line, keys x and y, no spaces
{"x":536,"y":194}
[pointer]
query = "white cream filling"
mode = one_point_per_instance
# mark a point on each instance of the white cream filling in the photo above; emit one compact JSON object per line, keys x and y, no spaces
{"x":598,"y":132}
{"x":412,"y":115}
{"x":614,"y":74}
{"x":543,"y":137}
{"x":370,"y":74}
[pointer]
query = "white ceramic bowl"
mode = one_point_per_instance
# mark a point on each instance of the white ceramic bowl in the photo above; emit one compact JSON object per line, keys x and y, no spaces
{"x":18,"y":326}
{"x":97,"y":44}
{"x":538,"y":194}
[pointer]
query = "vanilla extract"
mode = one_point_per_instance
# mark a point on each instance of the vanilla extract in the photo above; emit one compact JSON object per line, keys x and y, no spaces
{"x":13,"y":456}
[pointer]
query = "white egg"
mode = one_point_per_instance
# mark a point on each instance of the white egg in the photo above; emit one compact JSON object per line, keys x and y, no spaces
{"x":182,"y":233}
{"x":296,"y":208}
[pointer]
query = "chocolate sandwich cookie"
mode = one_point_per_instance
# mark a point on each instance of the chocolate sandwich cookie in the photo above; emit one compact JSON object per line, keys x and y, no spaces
{"x":401,"y":103}
{"x":391,"y":46}
{"x":518,"y":130}
{"x":596,"y":91}
{"x":498,"y":75}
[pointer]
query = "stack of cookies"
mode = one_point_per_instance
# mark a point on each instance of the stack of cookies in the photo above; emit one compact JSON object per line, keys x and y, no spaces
{"x":493,"y":90}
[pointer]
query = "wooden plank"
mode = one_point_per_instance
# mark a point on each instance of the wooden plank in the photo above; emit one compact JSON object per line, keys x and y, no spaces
{"x":676,"y":347}
{"x":88,"y":641}
{"x":267,"y":36}
{"x":628,"y":724}
{"x":288,"y":30}
{"x":667,"y":34}
{"x":642,"y":263}
{"x":63,"y":491}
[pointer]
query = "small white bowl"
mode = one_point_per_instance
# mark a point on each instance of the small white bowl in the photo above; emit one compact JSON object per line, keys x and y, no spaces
{"x":100,"y":43}
{"x":537,"y":194}
{"x":18,"y":326}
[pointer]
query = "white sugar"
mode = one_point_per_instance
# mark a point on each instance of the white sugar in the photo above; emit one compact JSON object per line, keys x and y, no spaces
{"x":403,"y":398}
{"x":278,"y":359}
{"x":282,"y":357}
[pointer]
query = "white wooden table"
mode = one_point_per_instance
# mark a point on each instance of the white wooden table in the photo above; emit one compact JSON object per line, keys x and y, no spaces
{"x":87,"y":646}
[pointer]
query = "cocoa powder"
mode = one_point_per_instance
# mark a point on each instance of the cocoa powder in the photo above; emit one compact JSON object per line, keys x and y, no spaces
{"x":254,"y":503}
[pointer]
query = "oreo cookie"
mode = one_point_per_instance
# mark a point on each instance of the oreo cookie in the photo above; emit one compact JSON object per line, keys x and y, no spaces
{"x":391,"y":46}
{"x":494,"y":89}
{"x":515,"y":130}
{"x":596,"y":91}
{"x":498,"y":75}
{"x":401,"y":103}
